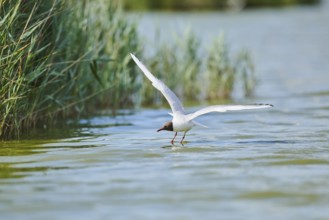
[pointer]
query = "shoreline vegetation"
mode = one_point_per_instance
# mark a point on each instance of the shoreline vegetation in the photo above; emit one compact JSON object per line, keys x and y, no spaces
{"x":60,"y":59}
{"x":64,"y":59}
{"x":184,"y":5}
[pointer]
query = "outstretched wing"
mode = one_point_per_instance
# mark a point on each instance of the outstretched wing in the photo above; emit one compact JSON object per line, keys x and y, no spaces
{"x":175,"y":104}
{"x":224,"y":108}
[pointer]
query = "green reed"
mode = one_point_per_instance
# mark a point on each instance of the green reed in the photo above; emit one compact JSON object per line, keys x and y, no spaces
{"x":193,"y":78}
{"x":62,"y":58}
{"x":178,"y":65}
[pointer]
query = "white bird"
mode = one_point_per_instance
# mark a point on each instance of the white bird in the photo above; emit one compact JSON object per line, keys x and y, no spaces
{"x":182,"y":122}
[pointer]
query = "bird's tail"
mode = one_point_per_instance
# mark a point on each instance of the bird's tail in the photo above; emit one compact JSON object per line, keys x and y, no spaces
{"x":199,"y":124}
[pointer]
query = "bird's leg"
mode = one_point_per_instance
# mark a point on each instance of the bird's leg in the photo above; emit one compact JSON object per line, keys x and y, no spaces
{"x":172,"y":141}
{"x":181,"y":142}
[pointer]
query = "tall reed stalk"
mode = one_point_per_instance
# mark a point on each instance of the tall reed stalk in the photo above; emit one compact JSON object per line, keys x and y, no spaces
{"x":60,"y":58}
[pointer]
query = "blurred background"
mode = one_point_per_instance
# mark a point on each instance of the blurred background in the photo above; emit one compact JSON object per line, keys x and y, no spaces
{"x":284,"y":42}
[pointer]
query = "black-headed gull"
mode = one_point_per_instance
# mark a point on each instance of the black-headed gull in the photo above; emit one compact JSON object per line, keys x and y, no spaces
{"x":182,"y":122}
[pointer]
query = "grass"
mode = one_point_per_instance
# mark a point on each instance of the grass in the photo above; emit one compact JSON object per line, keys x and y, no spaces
{"x":178,"y":65}
{"x":62,"y":59}
{"x":193,"y":78}
{"x":59,"y":60}
{"x":224,"y":71}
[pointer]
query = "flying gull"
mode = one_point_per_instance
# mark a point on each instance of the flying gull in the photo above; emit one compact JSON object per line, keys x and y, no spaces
{"x":182,"y":122}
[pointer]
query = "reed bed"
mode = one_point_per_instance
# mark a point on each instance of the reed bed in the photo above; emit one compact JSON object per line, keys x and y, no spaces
{"x":60,"y":59}
{"x":211,"y":78}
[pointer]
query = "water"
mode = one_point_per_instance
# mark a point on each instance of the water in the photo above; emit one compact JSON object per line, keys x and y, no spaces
{"x":261,"y":164}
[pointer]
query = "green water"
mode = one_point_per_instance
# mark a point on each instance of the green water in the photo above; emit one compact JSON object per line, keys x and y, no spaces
{"x":261,"y":164}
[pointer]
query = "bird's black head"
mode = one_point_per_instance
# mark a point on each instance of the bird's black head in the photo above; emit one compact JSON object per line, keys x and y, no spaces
{"x":167,"y":126}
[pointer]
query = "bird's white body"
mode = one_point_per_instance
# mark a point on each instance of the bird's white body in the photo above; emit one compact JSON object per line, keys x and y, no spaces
{"x":181,"y":121}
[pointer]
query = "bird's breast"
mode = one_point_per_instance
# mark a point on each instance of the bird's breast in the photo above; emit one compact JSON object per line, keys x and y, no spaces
{"x":181,"y":124}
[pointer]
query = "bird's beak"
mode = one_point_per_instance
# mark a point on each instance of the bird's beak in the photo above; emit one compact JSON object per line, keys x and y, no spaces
{"x":160,"y":129}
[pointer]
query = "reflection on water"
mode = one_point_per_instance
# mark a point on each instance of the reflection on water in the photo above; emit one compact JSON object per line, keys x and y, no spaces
{"x":19,"y":170}
{"x":266,"y":164}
